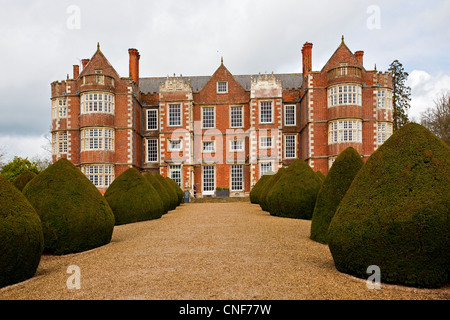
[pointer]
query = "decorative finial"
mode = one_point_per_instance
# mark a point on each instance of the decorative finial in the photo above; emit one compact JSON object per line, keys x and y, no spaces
{"x":98,"y":45}
{"x":375,"y":67}
{"x":342,"y":38}
{"x":221,"y":60}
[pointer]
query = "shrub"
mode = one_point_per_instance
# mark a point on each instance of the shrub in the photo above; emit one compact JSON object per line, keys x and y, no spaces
{"x":170,"y":191}
{"x":132,"y":198}
{"x":294,"y":194}
{"x":266,"y":188}
{"x":333,"y":189}
{"x":176,"y":187}
{"x":256,"y":190}
{"x":320,"y":175}
{"x":75,"y":217}
{"x":21,"y":180}
{"x":396,"y":213}
{"x":161,"y":189}
{"x":21,"y":237}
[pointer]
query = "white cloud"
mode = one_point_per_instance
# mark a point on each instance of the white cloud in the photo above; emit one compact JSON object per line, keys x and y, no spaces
{"x":425,"y":88}
{"x":23,"y":146}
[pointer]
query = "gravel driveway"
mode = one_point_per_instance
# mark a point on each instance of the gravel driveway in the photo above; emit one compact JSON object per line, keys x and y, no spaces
{"x":207,"y":251}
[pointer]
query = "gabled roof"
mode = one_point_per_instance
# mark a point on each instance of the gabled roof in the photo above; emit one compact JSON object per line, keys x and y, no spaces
{"x":99,"y":53}
{"x":288,"y":81}
{"x":341,"y":47}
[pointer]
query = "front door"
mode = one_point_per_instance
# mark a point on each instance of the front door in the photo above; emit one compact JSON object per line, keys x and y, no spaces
{"x":209,"y":180}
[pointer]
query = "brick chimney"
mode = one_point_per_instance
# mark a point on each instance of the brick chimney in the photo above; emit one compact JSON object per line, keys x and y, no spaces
{"x":84,"y":62}
{"x":76,"y":71}
{"x":307,"y":58}
{"x":134,"y":64}
{"x":359,"y":55}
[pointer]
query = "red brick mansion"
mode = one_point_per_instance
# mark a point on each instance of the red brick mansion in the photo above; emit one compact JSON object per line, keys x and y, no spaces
{"x":218,"y":131}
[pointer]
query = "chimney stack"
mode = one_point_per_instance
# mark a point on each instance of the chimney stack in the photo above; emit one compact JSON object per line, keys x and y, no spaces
{"x":307,"y":58}
{"x":76,"y":71}
{"x":84,"y":62}
{"x":359,"y":55}
{"x":134,"y":64}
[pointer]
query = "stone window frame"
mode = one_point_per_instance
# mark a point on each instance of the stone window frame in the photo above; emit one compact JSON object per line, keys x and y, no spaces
{"x":294,"y":147}
{"x":97,"y":139}
{"x":152,"y":120}
{"x":222,"y":87}
{"x":272,"y":111}
{"x":294,"y":111}
{"x":343,"y":131}
{"x":179,"y":114}
{"x":237,"y":175}
{"x":152,"y":151}
{"x":101,"y":175}
{"x":211,"y":125}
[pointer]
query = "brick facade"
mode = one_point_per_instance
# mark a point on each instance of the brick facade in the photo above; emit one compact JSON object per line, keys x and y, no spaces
{"x":220,"y":131}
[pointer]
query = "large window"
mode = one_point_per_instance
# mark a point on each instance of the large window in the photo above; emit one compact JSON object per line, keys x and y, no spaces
{"x":97,"y":139}
{"x":265,"y":112}
{"x":265,"y":142}
{"x":236,"y":145}
{"x":344,"y":95}
{"x":175,"y":174}
{"x":101,"y":175}
{"x":344,"y":131}
{"x":208,"y":146}
{"x":384,"y":131}
{"x":289,"y":115}
{"x":237,"y":177}
{"x":59,"y":108}
{"x":152,"y":119}
{"x":236,"y":117}
{"x":290,"y":146}
{"x":209,"y":179}
{"x":208,"y":117}
{"x":174,"y":115}
{"x":59,"y":140}
{"x":384,"y":99}
{"x":152,"y":150}
{"x":174,"y":145}
{"x":265,"y":167}
{"x":97,"y":102}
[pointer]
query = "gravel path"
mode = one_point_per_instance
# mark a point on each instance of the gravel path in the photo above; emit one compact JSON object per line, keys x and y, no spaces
{"x":207,"y":251}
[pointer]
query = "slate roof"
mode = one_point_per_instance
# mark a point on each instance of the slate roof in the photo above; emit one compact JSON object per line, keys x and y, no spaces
{"x":288,"y":81}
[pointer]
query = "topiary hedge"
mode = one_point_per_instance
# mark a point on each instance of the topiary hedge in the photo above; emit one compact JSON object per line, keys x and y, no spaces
{"x":320,"y":175}
{"x":75,"y":217}
{"x":176,"y":187}
{"x":21,"y":180}
{"x":256,"y":190}
{"x":333,"y":189}
{"x":161,"y":189}
{"x":294,"y":194}
{"x":396,"y":213}
{"x":21,"y":237}
{"x":266,"y":188}
{"x":170,"y":191}
{"x":132,"y":198}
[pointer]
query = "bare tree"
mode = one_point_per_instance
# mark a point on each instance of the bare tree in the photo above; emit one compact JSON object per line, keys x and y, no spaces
{"x":2,"y":157}
{"x":437,"y":118}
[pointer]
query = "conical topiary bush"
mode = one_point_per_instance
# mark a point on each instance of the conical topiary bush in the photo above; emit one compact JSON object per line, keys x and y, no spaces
{"x":256,"y":190}
{"x":75,"y":217}
{"x":161,"y":189}
{"x":21,"y":237}
{"x":263,"y":203}
{"x":396,"y":213}
{"x":176,"y":187}
{"x":294,"y":194}
{"x":336,"y":184}
{"x":170,"y":191}
{"x":21,"y":180}
{"x":320,"y":175}
{"x":132,"y":198}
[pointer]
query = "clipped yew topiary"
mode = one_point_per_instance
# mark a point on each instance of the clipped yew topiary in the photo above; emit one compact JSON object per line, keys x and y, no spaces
{"x":170,"y":191}
{"x":75,"y":216}
{"x":396,"y":213}
{"x":320,"y":175}
{"x":21,"y":237}
{"x":263,"y":203}
{"x":161,"y":189}
{"x":21,"y":180}
{"x":294,"y":194}
{"x":176,"y":187}
{"x":132,"y":198}
{"x":256,"y":190}
{"x":336,"y":184}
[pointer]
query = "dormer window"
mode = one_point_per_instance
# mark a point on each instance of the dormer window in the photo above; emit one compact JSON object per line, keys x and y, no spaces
{"x":100,"y":78}
{"x":222,"y":87}
{"x":343,"y":69}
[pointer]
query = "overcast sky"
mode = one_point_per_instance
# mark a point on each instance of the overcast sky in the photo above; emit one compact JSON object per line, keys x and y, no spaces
{"x":40,"y":41}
